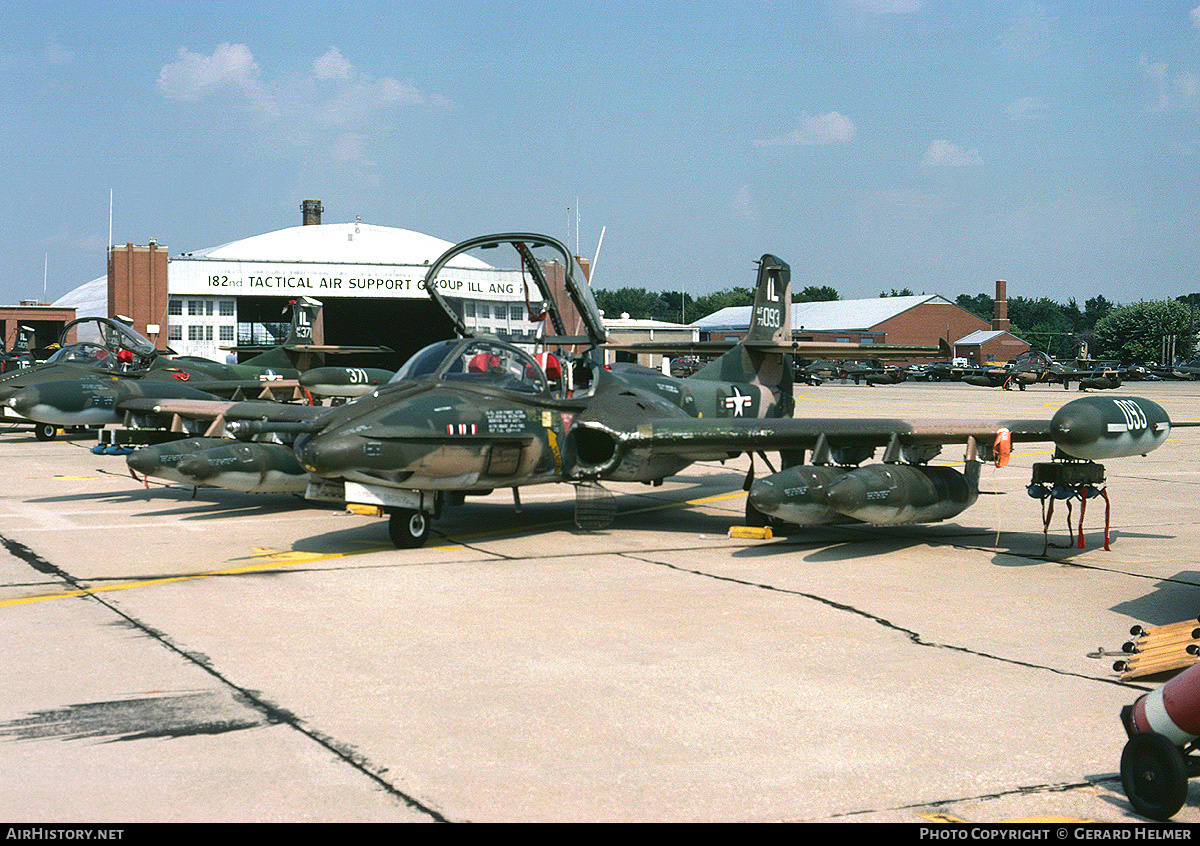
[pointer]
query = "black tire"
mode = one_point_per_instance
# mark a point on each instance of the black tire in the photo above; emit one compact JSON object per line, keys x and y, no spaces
{"x":758,"y":520}
{"x":45,"y":432}
{"x":1154,"y":775}
{"x":407,"y":528}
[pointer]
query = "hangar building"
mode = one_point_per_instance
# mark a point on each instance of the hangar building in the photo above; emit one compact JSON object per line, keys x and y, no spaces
{"x":369,"y":279}
{"x":919,"y":319}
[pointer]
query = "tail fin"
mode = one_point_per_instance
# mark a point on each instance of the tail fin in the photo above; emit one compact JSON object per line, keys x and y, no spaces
{"x":771,"y":314}
{"x":305,"y":313}
{"x":762,"y":358}
{"x":295,"y":352}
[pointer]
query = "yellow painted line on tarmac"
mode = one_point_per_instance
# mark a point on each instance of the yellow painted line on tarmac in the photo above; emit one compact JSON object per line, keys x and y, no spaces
{"x":552,"y":523}
{"x":271,"y":559}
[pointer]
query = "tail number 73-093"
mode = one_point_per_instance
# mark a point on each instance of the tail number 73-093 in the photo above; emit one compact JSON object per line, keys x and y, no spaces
{"x":769,"y":317}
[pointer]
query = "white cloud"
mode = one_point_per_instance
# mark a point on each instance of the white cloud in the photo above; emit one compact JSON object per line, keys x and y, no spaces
{"x":230,"y":69}
{"x":888,"y":7}
{"x":743,"y":204}
{"x":1027,"y":108}
{"x":332,"y":65}
{"x":1029,"y":35}
{"x":942,"y":153}
{"x":333,"y":114}
{"x":829,"y":128}
{"x":1169,"y":89}
{"x":57,"y":54}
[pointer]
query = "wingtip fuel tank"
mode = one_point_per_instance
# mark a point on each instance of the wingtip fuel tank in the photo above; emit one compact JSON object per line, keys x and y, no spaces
{"x":1095,"y":428}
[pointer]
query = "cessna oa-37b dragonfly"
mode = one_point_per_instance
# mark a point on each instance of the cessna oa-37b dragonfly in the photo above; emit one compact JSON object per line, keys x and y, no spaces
{"x":112,"y":370}
{"x":474,"y":414}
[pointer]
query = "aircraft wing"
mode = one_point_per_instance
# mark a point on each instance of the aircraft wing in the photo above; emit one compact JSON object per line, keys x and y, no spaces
{"x":259,"y":388}
{"x":707,"y":437}
{"x":1089,"y":428}
{"x":335,"y":349}
{"x":198,"y":409}
{"x":804,"y":349}
{"x":218,"y":412}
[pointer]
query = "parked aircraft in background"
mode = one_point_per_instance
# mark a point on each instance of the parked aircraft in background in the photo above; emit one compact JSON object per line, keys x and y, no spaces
{"x":97,"y":380}
{"x":20,"y":354}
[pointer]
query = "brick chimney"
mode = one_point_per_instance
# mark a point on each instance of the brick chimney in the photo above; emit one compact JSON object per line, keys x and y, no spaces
{"x":1000,"y":315}
{"x":311,"y":212}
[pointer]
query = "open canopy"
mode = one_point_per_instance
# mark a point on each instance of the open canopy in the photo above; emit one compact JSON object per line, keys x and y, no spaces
{"x":529,"y":282}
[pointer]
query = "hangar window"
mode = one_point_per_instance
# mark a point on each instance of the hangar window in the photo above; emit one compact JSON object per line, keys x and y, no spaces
{"x":226,"y":333}
{"x":469,"y":309}
{"x":195,"y":333}
{"x":176,"y":333}
{"x":498,"y":312}
{"x":195,"y":307}
{"x":175,"y":307}
{"x":516,"y":312}
{"x":228,"y":308}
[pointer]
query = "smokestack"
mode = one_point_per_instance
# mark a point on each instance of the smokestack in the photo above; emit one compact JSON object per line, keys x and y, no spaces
{"x":311,"y":212}
{"x":1000,"y":315}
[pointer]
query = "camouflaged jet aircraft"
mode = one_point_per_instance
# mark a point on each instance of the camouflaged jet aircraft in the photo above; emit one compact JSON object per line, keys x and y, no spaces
{"x":113,"y":374}
{"x":469,"y":415}
{"x":109,"y":351}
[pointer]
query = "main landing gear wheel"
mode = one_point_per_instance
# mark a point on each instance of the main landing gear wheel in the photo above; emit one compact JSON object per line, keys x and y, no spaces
{"x":1154,"y":775}
{"x":45,"y":432}
{"x":758,"y":520}
{"x":408,"y":528}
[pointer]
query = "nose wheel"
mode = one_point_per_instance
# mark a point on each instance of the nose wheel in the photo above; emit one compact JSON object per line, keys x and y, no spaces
{"x":408,"y":528}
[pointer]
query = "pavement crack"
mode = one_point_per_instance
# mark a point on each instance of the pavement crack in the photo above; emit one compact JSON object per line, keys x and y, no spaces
{"x":1023,"y":790}
{"x":914,"y":637}
{"x":253,"y":699}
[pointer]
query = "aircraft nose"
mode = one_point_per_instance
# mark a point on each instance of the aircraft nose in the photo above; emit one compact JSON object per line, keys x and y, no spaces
{"x":23,"y":400}
{"x":65,"y":397}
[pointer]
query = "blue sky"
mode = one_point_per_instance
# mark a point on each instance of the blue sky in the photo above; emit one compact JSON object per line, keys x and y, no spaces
{"x":872,"y":144}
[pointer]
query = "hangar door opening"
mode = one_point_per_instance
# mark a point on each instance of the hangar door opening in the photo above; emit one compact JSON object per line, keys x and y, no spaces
{"x":405,"y":325}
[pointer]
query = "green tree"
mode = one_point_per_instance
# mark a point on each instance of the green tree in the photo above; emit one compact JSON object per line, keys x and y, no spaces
{"x":903,"y":292}
{"x":639,"y":303}
{"x":980,"y":305}
{"x":1095,"y":310}
{"x":1133,"y":334}
{"x":707,"y":304}
{"x":816,"y":294}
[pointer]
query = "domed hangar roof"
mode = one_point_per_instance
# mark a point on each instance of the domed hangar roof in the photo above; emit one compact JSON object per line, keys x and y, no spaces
{"x":332,"y":243}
